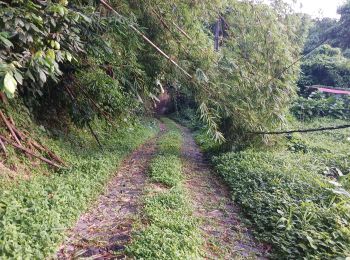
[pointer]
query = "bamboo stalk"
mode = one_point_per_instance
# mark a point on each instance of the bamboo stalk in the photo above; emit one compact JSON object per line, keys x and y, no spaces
{"x":179,"y":29}
{"x":3,"y":98}
{"x":44,"y":149}
{"x":168,"y":28}
{"x":148,"y":41}
{"x":25,"y":150}
{"x":12,"y":121}
{"x":10,"y":128}
{"x":161,"y":19}
{"x":3,"y":147}
{"x":182,"y":31}
{"x":38,"y":146}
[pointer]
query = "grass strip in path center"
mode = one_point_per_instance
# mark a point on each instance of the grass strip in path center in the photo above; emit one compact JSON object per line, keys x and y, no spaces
{"x":168,"y":229}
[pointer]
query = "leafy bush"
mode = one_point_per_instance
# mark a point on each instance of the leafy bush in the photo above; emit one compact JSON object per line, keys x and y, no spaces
{"x":97,"y":89}
{"x":321,"y":106}
{"x":288,"y":203}
{"x":35,"y":38}
{"x":326,"y":66}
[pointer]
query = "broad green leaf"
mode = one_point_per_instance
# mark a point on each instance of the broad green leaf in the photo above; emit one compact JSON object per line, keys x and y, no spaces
{"x":42,"y":76}
{"x":6,"y":42}
{"x":61,"y":10}
{"x":69,"y":56}
{"x":57,"y":45}
{"x":18,"y":77}
{"x":10,"y":85}
{"x":63,"y":2}
{"x":51,"y":54}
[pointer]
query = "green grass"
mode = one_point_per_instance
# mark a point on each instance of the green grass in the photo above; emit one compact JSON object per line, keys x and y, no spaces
{"x":35,"y":212}
{"x":166,"y":170}
{"x":288,"y":204}
{"x":172,"y":231}
{"x":329,"y":148}
{"x":287,"y":197}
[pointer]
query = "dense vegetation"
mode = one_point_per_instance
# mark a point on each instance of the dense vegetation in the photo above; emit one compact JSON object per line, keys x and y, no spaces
{"x":329,"y":64}
{"x":81,"y":54}
{"x":326,"y":66}
{"x":70,"y":65}
{"x":288,"y":203}
{"x":318,"y":105}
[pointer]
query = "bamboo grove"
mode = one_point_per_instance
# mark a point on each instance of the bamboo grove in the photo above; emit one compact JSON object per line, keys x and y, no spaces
{"x":79,"y":60}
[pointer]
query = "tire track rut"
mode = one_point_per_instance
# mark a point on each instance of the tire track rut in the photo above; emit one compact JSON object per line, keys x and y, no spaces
{"x":105,"y":229}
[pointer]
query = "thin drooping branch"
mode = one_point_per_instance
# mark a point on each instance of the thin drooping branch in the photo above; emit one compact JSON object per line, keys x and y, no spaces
{"x":95,"y":135}
{"x":2,"y":145}
{"x":73,"y":97}
{"x":148,"y":40}
{"x":8,"y":124}
{"x":104,"y":113}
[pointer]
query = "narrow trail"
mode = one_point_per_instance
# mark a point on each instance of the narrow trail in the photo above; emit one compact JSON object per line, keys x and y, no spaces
{"x":106,"y":228}
{"x":225,"y":236}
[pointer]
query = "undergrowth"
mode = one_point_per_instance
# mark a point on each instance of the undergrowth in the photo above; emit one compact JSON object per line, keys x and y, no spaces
{"x":172,"y":230}
{"x":287,"y":196}
{"x":36,"y":211}
{"x":289,"y":205}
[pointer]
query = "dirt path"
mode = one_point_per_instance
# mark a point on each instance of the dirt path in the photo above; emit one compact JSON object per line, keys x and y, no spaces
{"x":225,"y":236}
{"x":106,"y":228}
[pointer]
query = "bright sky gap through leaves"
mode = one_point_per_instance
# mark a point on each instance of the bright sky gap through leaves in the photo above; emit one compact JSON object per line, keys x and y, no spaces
{"x":316,"y":8}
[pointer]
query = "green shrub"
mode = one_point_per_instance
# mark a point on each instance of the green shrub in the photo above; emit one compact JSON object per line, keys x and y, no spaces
{"x":289,"y":204}
{"x":325,"y":66}
{"x":321,"y":106}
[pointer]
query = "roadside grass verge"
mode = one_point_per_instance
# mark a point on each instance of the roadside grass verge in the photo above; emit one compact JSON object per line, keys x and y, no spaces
{"x":171,"y":231}
{"x":289,"y":205}
{"x":36,"y":212}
